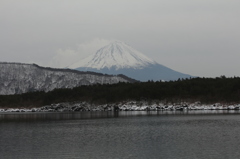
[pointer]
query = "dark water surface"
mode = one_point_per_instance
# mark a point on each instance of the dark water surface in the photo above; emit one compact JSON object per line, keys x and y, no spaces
{"x":121,"y":135}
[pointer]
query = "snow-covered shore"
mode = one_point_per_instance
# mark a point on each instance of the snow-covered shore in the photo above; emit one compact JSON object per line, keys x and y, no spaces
{"x":125,"y":106}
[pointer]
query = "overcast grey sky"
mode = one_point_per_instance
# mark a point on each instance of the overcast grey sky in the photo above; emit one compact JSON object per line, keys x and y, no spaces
{"x":197,"y":37}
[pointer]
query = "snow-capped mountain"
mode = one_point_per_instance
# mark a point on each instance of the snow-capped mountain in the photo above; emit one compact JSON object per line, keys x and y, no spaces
{"x":120,"y":58}
{"x":118,"y":55}
{"x":16,"y":78}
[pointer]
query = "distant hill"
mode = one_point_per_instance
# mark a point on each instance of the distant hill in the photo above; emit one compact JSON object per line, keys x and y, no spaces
{"x":120,"y":58}
{"x":17,"y":78}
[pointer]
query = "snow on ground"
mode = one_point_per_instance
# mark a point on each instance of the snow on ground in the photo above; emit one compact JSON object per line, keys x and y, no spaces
{"x":125,"y":106}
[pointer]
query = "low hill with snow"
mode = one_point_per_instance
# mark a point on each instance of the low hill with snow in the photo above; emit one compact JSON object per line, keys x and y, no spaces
{"x":17,"y":78}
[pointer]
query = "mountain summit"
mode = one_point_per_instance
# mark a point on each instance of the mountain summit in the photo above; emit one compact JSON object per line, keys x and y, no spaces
{"x":120,"y":58}
{"x":118,"y":55}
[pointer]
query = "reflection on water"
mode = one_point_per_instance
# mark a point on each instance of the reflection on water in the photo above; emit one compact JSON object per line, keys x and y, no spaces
{"x":176,"y":134}
{"x":94,"y":115}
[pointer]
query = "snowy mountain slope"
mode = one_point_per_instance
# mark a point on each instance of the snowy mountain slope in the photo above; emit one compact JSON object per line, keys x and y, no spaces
{"x":117,"y":54}
{"x":16,"y":78}
{"x":120,"y":58}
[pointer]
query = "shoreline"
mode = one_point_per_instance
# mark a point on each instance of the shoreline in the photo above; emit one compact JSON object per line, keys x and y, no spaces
{"x":124,"y":106}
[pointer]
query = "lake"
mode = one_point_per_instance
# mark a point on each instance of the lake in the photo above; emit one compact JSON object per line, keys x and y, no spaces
{"x":121,"y":135}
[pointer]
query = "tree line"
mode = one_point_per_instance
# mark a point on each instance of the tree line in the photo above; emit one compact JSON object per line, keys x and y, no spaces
{"x":205,"y":90}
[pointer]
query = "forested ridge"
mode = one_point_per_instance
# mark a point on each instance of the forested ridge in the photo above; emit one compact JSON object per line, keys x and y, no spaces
{"x":205,"y":90}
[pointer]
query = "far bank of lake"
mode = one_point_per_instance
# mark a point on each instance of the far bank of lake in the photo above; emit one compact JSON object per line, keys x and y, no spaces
{"x":125,"y":106}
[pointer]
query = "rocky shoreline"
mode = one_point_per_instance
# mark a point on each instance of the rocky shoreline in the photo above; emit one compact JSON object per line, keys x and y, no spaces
{"x":125,"y":106}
